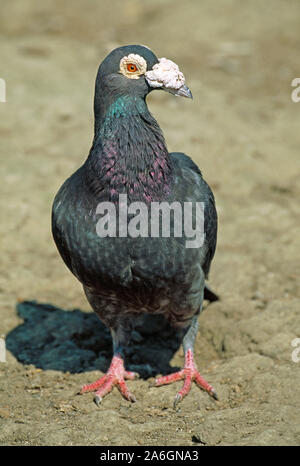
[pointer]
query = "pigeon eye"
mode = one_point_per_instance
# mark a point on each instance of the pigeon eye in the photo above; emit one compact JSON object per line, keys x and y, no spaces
{"x":132,"y":68}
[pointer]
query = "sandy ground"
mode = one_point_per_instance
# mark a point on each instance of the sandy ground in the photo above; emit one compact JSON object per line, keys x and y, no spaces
{"x":242,"y":128}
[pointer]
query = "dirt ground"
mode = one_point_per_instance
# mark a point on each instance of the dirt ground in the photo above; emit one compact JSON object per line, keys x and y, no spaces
{"x":242,"y":128}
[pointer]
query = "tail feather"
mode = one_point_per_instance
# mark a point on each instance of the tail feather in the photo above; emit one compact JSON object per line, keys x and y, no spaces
{"x":210,"y":295}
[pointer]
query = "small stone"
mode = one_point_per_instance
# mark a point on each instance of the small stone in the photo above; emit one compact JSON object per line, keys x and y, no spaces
{"x":4,"y":413}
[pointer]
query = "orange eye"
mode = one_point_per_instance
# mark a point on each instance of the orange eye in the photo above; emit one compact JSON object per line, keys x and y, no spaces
{"x":132,"y":68}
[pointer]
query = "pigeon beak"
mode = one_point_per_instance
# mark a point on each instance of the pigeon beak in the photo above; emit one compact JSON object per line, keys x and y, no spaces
{"x":183,"y":91}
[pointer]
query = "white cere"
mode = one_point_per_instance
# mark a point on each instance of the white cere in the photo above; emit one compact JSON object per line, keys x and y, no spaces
{"x":165,"y":74}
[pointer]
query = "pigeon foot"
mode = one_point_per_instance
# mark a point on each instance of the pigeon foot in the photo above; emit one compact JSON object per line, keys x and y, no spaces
{"x":116,"y":375}
{"x":189,"y":373}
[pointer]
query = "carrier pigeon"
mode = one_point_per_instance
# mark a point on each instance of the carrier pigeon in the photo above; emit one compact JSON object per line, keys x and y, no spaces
{"x":129,"y":271}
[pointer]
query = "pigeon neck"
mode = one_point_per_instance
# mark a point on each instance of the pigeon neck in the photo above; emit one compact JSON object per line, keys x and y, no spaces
{"x":129,"y":154}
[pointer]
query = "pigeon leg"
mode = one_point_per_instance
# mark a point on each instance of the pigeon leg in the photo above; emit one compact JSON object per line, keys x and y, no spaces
{"x":116,"y":375}
{"x":189,"y":373}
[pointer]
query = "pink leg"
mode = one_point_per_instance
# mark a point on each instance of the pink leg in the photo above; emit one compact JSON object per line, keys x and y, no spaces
{"x":116,"y":375}
{"x":188,"y":373}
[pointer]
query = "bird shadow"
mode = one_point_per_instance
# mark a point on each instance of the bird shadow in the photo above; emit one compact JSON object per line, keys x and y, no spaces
{"x":75,"y":341}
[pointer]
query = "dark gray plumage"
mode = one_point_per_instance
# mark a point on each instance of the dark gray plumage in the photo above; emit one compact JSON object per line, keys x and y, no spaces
{"x":124,"y":276}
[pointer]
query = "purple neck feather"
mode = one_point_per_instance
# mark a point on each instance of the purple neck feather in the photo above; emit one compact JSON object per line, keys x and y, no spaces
{"x":129,"y":154}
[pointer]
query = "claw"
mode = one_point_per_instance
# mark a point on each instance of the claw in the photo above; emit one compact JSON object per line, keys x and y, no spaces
{"x":177,"y":400}
{"x":214,"y":395}
{"x":132,"y":398}
{"x":97,"y":400}
{"x":130,"y":375}
{"x":152,"y":384}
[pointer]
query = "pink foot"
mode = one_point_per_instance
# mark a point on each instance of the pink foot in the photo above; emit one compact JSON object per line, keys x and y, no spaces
{"x":116,"y":375}
{"x":188,"y":373}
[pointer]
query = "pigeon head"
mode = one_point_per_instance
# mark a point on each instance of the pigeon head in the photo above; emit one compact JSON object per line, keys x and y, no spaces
{"x":135,"y":70}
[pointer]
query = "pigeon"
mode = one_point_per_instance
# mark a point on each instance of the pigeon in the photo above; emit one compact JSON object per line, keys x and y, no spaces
{"x":125,"y":270}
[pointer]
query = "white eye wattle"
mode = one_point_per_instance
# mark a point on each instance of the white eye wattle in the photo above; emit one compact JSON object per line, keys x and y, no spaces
{"x":133,"y":66}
